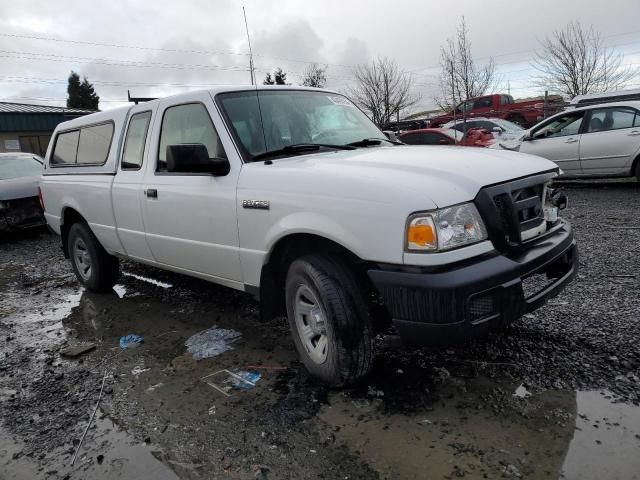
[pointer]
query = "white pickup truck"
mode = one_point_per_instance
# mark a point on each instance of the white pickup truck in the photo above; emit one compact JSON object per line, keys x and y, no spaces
{"x":295,"y":196}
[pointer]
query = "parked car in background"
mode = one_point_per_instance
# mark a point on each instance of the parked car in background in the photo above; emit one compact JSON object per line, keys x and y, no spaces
{"x":501,"y":129}
{"x":19,"y":203}
{"x":476,"y":137}
{"x":431,"y":136}
{"x":596,"y":141}
{"x":503,"y":106}
{"x":607,"y":97}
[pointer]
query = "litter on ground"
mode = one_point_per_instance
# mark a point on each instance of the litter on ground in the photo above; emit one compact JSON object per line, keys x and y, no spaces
{"x":522,"y":392}
{"x":211,"y":342}
{"x":225,"y":381}
{"x":130,"y":341}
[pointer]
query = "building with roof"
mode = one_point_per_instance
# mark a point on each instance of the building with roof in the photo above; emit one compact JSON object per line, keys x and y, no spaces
{"x":28,"y":128}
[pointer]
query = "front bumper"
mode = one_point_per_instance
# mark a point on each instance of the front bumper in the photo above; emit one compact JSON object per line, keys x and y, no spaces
{"x":19,"y":214}
{"x":465,"y":300}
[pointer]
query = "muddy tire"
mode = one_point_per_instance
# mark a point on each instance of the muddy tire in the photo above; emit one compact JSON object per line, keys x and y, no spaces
{"x":329,"y":319}
{"x":96,"y":270}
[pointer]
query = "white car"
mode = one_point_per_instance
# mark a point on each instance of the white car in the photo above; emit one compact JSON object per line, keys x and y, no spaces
{"x":295,"y":196}
{"x":596,"y":141}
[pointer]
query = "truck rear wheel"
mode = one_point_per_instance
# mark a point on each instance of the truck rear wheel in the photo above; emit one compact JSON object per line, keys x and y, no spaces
{"x":329,"y":319}
{"x":96,"y":270}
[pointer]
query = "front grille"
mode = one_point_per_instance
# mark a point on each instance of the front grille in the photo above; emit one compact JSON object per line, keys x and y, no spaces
{"x":481,"y":306}
{"x":512,"y":209}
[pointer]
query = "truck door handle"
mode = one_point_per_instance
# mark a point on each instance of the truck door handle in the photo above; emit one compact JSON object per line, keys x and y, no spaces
{"x":634,"y":133}
{"x":570,"y":140}
{"x":151,"y":193}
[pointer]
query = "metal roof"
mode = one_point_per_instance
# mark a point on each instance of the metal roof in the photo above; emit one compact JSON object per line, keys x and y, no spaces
{"x":9,"y":107}
{"x":23,"y":117}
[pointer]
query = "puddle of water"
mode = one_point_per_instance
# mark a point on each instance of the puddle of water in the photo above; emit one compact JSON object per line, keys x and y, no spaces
{"x":61,"y":310}
{"x":606,"y":442}
{"x":152,"y":281}
{"x":471,"y":432}
{"x":211,"y":342}
{"x":107,"y":453}
{"x":548,"y":435}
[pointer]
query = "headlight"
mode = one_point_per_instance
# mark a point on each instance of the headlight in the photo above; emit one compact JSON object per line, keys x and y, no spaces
{"x":445,"y":229}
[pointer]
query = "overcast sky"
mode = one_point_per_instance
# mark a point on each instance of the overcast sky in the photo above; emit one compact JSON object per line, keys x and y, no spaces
{"x":169,"y":47}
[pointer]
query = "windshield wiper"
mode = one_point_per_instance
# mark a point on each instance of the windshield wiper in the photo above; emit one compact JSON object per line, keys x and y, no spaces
{"x":300,"y":148}
{"x":365,"y":142}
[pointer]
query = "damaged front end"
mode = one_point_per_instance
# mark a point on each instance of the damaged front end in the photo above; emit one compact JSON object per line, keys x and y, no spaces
{"x":20,"y":213}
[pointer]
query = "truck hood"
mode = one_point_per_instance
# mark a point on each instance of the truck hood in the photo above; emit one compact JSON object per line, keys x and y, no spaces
{"x":22,"y":187}
{"x":444,"y":175}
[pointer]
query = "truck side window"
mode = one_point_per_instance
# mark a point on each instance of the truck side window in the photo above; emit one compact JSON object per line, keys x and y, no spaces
{"x":188,"y":123}
{"x":65,"y":148}
{"x":135,"y":140}
{"x":94,"y":143}
{"x":484,"y":102}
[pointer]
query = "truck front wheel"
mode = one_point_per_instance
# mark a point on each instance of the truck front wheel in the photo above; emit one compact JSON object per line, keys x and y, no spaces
{"x":329,"y":319}
{"x":96,"y":270}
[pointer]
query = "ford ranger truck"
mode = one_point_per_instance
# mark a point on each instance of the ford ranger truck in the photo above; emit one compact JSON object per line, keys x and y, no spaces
{"x":293,"y":195}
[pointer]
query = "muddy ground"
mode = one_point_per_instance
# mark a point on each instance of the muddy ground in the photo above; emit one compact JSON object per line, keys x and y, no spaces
{"x":556,"y":396}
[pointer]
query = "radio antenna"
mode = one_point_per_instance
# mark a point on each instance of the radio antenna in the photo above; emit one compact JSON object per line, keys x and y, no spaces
{"x":246,"y":26}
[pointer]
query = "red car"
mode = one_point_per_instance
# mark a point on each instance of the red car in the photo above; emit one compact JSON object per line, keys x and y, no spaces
{"x":475,"y":137}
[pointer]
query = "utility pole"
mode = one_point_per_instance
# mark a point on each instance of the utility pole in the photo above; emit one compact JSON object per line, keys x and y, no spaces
{"x":546,"y":104}
{"x":246,"y":26}
{"x":453,"y":93}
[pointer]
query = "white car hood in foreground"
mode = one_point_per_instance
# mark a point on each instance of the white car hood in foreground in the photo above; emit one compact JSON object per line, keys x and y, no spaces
{"x":22,"y":187}
{"x":412,"y":175}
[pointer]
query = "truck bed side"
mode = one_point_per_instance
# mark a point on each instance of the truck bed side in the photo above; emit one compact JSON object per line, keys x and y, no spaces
{"x":72,"y":190}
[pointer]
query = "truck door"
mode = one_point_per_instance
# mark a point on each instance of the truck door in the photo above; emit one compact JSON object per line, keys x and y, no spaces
{"x":558,"y":140}
{"x":190,"y":217}
{"x":610,"y":141}
{"x":126,"y":190}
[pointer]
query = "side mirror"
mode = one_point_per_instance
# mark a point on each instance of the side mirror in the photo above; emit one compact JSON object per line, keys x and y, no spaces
{"x":194,"y":158}
{"x":497,"y":130}
{"x":527,"y":137}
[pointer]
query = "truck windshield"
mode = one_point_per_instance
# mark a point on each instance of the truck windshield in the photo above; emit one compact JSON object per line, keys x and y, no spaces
{"x":270,"y":120}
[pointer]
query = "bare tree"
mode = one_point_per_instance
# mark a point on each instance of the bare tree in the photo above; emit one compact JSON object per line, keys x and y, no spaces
{"x":460,"y":76}
{"x":574,"y":61}
{"x":382,"y":90}
{"x":315,"y":76}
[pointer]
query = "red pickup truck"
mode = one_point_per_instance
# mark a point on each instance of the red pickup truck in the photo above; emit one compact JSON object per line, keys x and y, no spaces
{"x":525,"y":113}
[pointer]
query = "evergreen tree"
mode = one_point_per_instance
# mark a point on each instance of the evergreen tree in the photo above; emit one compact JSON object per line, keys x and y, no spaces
{"x":279,"y":78}
{"x":81,"y":94}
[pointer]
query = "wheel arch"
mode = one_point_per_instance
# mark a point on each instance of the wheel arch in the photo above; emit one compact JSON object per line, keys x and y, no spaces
{"x":292,"y":246}
{"x":68,"y":217}
{"x":635,"y":167}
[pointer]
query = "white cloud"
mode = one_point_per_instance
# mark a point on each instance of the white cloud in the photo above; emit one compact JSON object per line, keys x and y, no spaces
{"x":284,"y":33}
